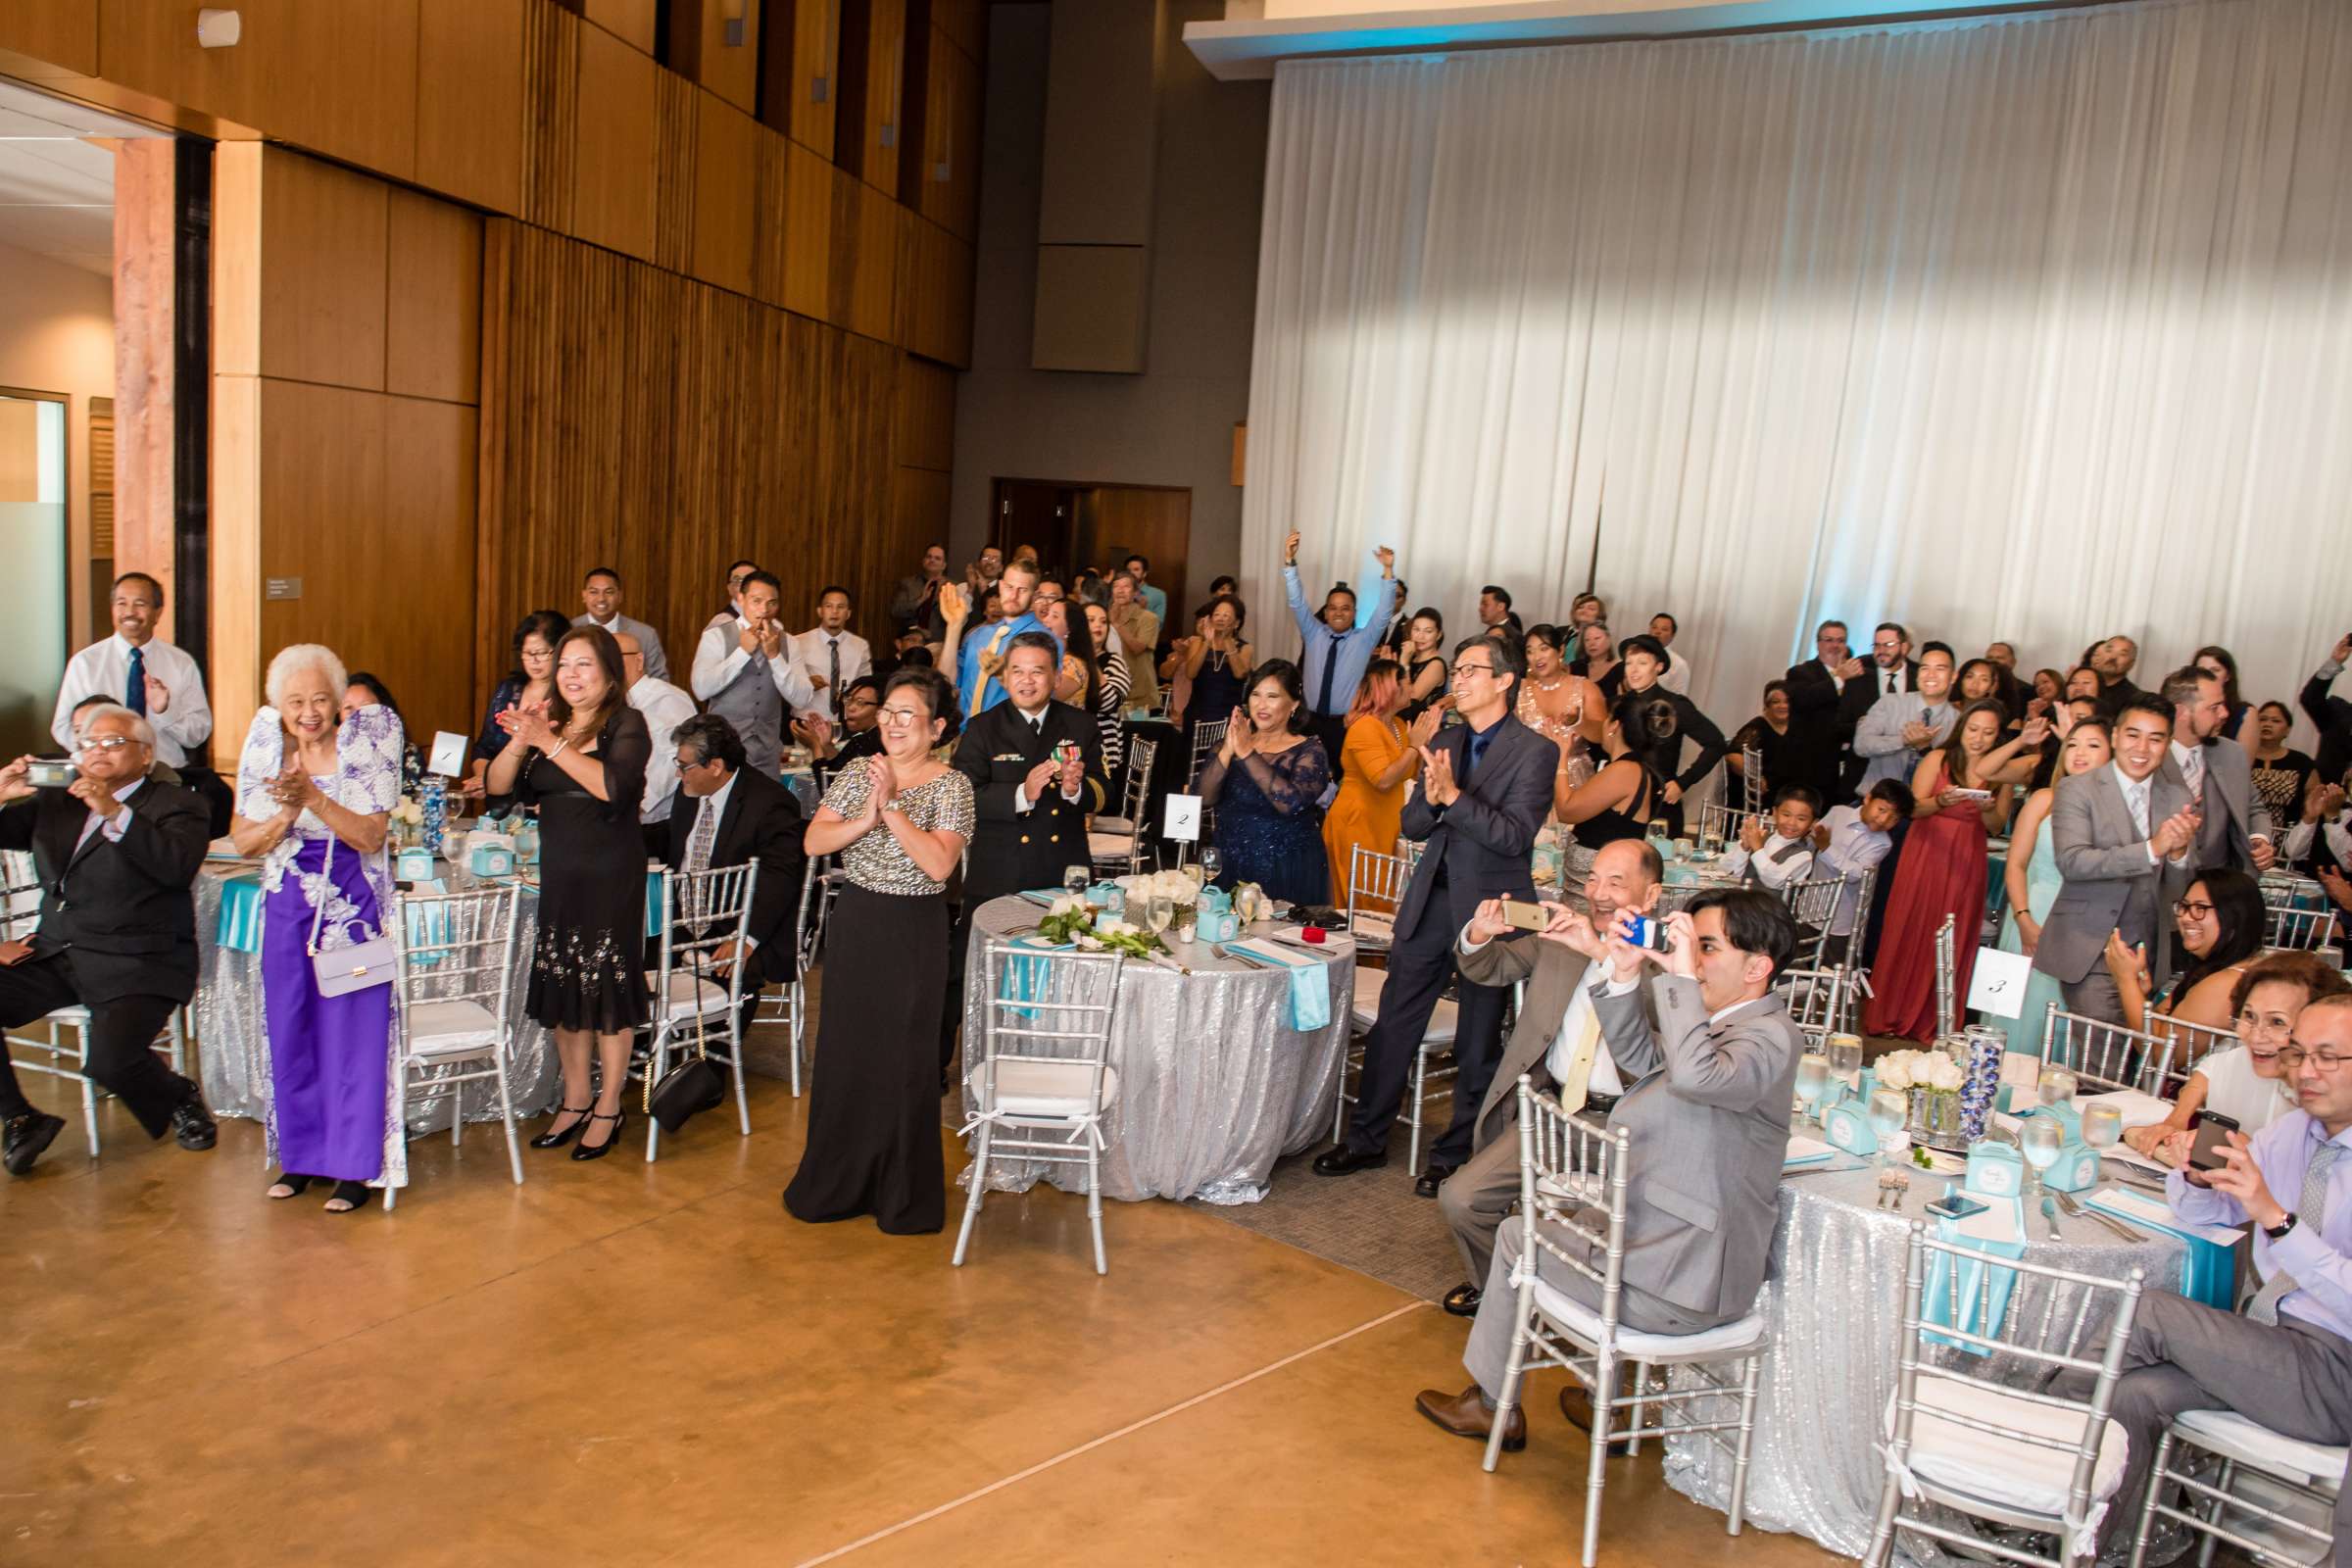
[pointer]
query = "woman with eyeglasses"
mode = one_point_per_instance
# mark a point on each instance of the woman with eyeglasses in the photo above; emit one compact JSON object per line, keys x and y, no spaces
{"x":2221,"y":919}
{"x":2032,"y":879}
{"x":2247,"y":1082}
{"x":531,"y":680}
{"x":900,"y":823}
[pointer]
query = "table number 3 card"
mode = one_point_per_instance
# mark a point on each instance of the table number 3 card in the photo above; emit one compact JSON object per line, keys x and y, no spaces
{"x":448,"y":754}
{"x":1997,"y":986}
{"x":1180,"y":818}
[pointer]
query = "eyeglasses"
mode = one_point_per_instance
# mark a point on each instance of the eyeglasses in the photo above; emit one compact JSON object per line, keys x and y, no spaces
{"x":1459,"y":670}
{"x":107,"y":743}
{"x":2293,"y":1057}
{"x":902,"y":716}
{"x":2189,"y":911}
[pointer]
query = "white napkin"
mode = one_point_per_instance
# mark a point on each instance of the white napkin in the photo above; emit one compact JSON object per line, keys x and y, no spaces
{"x":1803,"y":1151}
{"x":2149,"y":1210}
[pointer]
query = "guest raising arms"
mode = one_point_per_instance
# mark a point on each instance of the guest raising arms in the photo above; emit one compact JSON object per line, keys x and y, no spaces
{"x":900,"y":823}
{"x":315,"y":799}
{"x":580,"y":757}
{"x":1266,"y":783}
{"x":1383,"y":757}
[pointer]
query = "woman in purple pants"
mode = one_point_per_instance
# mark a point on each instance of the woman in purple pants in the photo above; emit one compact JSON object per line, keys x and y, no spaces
{"x":313,"y":795}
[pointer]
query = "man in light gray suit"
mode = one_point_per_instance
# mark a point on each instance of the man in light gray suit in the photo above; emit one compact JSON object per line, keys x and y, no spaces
{"x":1895,"y":735}
{"x":1708,"y":1114}
{"x":2234,"y":828}
{"x":1556,"y":1043}
{"x":599,"y":597}
{"x":2121,"y":836}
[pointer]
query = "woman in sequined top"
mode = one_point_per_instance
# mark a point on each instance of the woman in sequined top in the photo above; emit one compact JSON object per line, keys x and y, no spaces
{"x":900,"y":823}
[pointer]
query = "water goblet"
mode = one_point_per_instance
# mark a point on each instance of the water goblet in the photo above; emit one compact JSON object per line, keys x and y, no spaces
{"x":1889,"y":1114}
{"x":2056,"y":1087}
{"x":1076,"y":878}
{"x":2102,"y":1128}
{"x":1211,"y":862}
{"x":1846,"y":1059}
{"x":2039,"y":1139}
{"x":1812,"y":1083}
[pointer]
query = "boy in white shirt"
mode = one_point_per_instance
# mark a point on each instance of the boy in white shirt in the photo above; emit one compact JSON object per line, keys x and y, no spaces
{"x":1782,"y":855}
{"x":1849,"y":840}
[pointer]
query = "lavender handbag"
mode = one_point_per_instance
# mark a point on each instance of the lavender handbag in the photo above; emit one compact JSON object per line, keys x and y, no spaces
{"x":357,"y":967}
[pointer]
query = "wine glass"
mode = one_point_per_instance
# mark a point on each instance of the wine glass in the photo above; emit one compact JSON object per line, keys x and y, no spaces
{"x":2102,"y":1127}
{"x":1845,"y":1058}
{"x":2056,"y":1087}
{"x":1889,"y":1114}
{"x":1076,"y":878}
{"x":2039,"y":1139}
{"x":1159,"y":910}
{"x":1211,"y":862}
{"x":1812,"y":1082}
{"x":1195,"y":873}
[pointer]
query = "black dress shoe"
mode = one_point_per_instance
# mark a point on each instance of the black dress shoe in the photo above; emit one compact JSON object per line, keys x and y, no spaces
{"x":25,"y":1137}
{"x":1346,"y":1161}
{"x":1462,"y":1300}
{"x":1432,"y":1179}
{"x":193,"y":1125}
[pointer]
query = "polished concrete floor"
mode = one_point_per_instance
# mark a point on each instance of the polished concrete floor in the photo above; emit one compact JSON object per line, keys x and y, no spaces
{"x":618,"y":1362}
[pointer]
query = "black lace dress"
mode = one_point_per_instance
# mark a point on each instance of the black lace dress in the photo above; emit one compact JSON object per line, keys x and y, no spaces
{"x":588,"y":961}
{"x":1270,"y":821}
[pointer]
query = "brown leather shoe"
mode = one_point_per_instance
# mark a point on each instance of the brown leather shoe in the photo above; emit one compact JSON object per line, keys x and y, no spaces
{"x":1466,"y":1416}
{"x":1576,"y":1403}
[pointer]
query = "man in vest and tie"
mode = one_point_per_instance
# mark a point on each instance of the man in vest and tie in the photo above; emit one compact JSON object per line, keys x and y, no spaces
{"x":980,"y":660}
{"x":1336,"y":646}
{"x":741,"y":671}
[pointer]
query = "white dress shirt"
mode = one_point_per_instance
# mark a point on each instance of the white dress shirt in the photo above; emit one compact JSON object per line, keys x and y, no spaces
{"x":715,"y":803}
{"x":103,"y":670}
{"x":1605,"y":1079}
{"x":1855,"y":847}
{"x":721,"y":657}
{"x":2138,"y":798}
{"x":115,"y":826}
{"x":664,"y":708}
{"x":807,"y":651}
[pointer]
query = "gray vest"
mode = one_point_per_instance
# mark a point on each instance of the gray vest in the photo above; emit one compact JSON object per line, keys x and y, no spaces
{"x":753,"y":704}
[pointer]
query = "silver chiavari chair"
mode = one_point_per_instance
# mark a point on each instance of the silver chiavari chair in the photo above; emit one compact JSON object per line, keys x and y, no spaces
{"x":1376,"y":884}
{"x":64,"y":1050}
{"x":1409,"y":850}
{"x":1719,"y":823}
{"x":1946,"y":1015}
{"x":1115,"y":844}
{"x":1817,"y":1001}
{"x":451,"y":1019}
{"x":788,"y":1002}
{"x":2297,"y":930}
{"x":1572,"y":1187}
{"x":2223,"y":1449}
{"x":703,"y":912}
{"x":1044,"y":1073}
{"x":1386,"y":876}
{"x":2104,"y":1056}
{"x":2191,"y":1042}
{"x":1207,"y":736}
{"x":1813,"y":902}
{"x":1753,"y":782}
{"x":1964,"y":1439}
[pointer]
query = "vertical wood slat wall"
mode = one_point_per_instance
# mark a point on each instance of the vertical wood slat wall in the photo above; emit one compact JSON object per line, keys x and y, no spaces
{"x":636,"y":419}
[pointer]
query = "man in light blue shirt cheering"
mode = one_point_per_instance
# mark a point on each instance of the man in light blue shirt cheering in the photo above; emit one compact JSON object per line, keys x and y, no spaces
{"x":1338,"y":643}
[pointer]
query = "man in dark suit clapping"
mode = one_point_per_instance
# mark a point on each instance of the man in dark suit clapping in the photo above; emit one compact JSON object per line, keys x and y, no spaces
{"x":1486,"y":788}
{"x":730,"y":814}
{"x":116,"y":852}
{"x":1036,"y":768}
{"x":1819,"y":733}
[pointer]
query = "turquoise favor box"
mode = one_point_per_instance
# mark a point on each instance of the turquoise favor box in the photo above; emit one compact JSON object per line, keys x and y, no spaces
{"x":414,"y":865}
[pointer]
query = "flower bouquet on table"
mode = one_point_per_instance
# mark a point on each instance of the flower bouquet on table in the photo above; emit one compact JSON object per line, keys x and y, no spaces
{"x":1073,"y":921}
{"x":1933,"y":1081}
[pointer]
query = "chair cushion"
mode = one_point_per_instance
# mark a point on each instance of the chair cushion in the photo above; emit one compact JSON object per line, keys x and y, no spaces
{"x":1051,"y":1089}
{"x":2014,"y":1475}
{"x":1117,"y":827}
{"x":448,"y":1028}
{"x":1442,"y":1021}
{"x":2227,"y":1433}
{"x":1582,"y":1321}
{"x":1109,"y":846}
{"x":685,"y":988}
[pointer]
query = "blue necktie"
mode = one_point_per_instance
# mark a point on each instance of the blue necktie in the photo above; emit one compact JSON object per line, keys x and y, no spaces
{"x":134,"y":696}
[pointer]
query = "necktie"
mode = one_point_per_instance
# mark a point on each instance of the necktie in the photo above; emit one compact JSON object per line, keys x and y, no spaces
{"x":698,"y":849}
{"x":2136,"y":796}
{"x":980,"y":676}
{"x":2311,"y":1210}
{"x":135,"y":687}
{"x":833,"y":673}
{"x":1889,"y":683}
{"x":2193,"y":771}
{"x":1331,"y":667}
{"x":1573,"y":1087}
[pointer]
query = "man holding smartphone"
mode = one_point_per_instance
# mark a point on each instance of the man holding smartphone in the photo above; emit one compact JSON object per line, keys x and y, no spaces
{"x":2285,"y":1362}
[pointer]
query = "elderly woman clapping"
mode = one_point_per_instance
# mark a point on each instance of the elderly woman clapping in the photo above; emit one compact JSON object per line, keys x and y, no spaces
{"x":313,"y":793}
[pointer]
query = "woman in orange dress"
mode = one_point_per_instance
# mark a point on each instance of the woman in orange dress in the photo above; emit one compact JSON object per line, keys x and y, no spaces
{"x":1382,"y":755}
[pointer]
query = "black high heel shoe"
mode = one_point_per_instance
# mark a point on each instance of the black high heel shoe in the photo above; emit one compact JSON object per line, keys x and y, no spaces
{"x":557,"y":1137}
{"x":618,"y":1119}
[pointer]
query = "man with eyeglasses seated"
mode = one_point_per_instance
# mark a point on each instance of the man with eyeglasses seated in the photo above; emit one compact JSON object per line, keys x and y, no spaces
{"x":1486,"y":788}
{"x":730,"y":814}
{"x":1713,"y":1084}
{"x":2287,"y":1361}
{"x":117,"y":851}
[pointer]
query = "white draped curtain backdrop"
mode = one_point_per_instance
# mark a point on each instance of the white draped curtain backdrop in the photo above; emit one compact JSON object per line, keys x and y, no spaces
{"x":2034,"y":327}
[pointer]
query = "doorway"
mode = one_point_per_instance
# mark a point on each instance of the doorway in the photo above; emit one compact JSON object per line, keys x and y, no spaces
{"x":34,"y":542}
{"x":1075,"y":523}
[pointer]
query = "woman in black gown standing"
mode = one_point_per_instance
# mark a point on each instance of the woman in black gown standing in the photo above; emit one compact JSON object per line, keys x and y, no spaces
{"x":900,"y":823}
{"x":580,"y":757}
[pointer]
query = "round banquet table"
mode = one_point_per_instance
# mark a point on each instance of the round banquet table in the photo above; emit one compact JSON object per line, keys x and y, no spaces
{"x":1832,"y":1307}
{"x":1214,"y":1084}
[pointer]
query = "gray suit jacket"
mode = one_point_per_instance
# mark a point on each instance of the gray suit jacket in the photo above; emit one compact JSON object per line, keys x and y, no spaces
{"x":1708,"y":1113}
{"x":1553,"y":972}
{"x":2233,"y":811}
{"x":649,"y":642}
{"x":2111,"y":885}
{"x":1879,"y":735}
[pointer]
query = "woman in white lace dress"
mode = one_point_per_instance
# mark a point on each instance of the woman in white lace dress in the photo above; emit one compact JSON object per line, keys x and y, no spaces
{"x":315,"y":791}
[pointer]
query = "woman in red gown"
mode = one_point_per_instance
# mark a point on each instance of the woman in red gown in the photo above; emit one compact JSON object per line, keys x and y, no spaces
{"x":1941,"y":872}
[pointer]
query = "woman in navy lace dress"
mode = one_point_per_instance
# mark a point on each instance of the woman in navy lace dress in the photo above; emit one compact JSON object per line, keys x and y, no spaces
{"x":1266,"y":783}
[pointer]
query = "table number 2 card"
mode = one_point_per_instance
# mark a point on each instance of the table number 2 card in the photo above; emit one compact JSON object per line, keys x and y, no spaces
{"x":1180,"y":818}
{"x":1997,"y":985}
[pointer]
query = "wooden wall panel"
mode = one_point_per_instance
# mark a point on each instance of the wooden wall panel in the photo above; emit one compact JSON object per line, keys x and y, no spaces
{"x":935,"y":294}
{"x":924,"y":436}
{"x":234,"y":673}
{"x":146,"y":388}
{"x":919,"y":510}
{"x":645,"y":419}
{"x":699,"y":52}
{"x":799,"y":56}
{"x":867,"y":273}
{"x":676,"y":137}
{"x":965,"y":22}
{"x":617,"y":145}
{"x":433,"y":303}
{"x":949,"y":193}
{"x":873,"y":66}
{"x":635,"y":22}
{"x":807,"y":238}
{"x":335,"y":75}
{"x":470,"y":100}
{"x":323,"y":280}
{"x":61,"y":32}
{"x":728,"y":166}
{"x":551,"y":111}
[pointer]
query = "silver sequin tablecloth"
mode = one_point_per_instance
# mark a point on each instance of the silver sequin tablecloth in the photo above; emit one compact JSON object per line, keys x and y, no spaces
{"x":234,"y":1053}
{"x":1214,"y":1084}
{"x":1833,"y":1307}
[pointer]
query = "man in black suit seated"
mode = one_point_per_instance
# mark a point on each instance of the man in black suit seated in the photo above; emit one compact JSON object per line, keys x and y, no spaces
{"x":1486,"y":788}
{"x":1036,"y":768}
{"x":117,"y":851}
{"x":729,"y":815}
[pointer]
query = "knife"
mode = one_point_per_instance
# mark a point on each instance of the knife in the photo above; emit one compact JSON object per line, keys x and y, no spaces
{"x":2049,"y":1212}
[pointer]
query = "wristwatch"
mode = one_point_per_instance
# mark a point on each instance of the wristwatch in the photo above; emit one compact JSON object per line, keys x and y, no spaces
{"x":2278,"y":1231}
